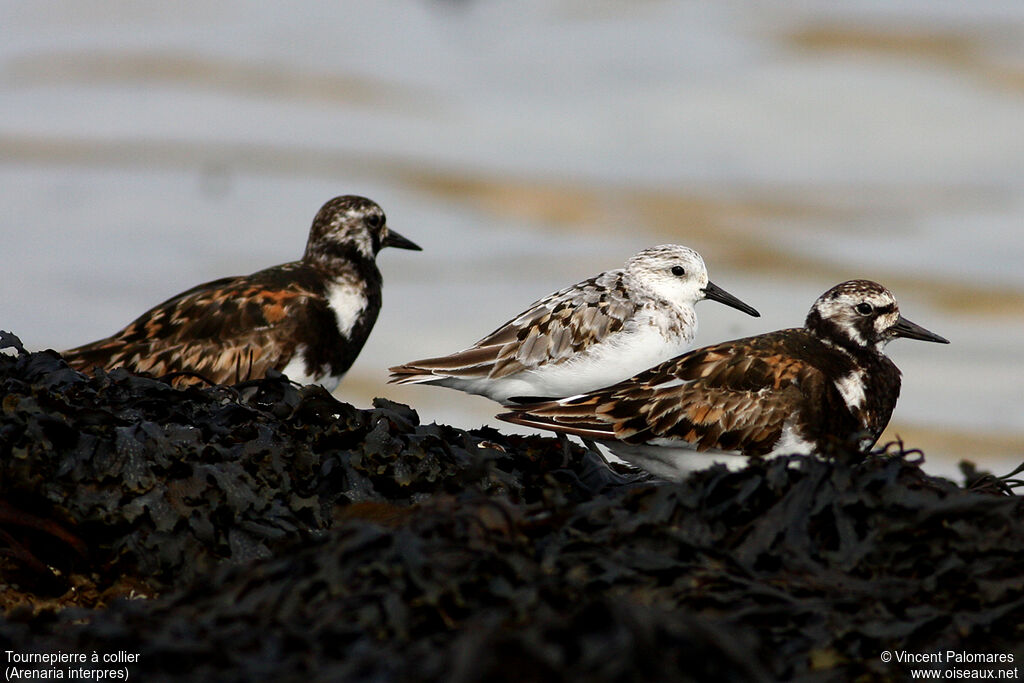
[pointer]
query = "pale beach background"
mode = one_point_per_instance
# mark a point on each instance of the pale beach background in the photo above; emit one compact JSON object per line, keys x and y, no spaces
{"x":147,"y":147}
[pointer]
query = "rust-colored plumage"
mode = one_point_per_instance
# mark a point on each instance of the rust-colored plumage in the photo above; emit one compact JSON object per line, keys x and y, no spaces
{"x":310,"y":317}
{"x":790,"y":391}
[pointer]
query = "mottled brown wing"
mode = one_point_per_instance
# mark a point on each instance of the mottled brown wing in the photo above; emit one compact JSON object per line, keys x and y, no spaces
{"x":732,"y":396}
{"x":552,"y":330}
{"x":227,"y":330}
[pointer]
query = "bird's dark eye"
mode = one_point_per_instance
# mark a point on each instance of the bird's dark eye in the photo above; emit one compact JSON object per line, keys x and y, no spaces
{"x":678,"y":271}
{"x":375,"y":220}
{"x":864,"y":309}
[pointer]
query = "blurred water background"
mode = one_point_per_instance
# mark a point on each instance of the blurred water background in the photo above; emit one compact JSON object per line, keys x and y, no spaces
{"x":147,"y":147}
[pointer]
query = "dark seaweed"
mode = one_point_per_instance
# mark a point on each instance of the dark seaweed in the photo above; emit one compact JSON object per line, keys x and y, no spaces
{"x":293,"y":537}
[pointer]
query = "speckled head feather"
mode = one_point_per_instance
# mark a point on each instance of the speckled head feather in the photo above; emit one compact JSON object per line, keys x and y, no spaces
{"x":350,"y":227}
{"x":308,"y":318}
{"x":860,"y":315}
{"x":790,"y":391}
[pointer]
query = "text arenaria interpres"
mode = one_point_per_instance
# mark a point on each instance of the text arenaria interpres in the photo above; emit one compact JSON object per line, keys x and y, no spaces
{"x":787,"y":392}
{"x":308,"y":319}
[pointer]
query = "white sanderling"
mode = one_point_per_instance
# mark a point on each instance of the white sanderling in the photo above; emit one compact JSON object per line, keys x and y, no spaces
{"x":586,"y":336}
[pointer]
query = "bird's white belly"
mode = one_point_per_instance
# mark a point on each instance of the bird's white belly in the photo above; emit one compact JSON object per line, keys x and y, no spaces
{"x":674,"y":459}
{"x":675,"y":462}
{"x":296,"y":371}
{"x":619,"y":357}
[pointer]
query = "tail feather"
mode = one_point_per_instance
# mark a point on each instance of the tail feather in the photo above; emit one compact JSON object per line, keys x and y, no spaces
{"x":474,"y":362}
{"x":410,"y":374}
{"x":591,"y":430}
{"x":100,"y":354}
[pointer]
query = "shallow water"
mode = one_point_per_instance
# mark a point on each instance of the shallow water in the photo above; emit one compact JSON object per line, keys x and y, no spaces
{"x":144,"y":149}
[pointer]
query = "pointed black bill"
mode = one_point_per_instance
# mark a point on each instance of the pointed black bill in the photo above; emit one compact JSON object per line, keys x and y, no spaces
{"x":393,"y":239}
{"x":716,"y":293}
{"x":905,"y":328}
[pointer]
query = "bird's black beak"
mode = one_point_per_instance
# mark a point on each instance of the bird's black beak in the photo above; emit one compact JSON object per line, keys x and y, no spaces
{"x":393,"y":239}
{"x":716,"y":293}
{"x":905,"y":328}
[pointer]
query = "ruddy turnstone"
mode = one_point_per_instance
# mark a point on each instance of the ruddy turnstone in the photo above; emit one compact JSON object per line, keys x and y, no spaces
{"x":787,"y":392}
{"x":586,"y":336}
{"x":308,"y":319}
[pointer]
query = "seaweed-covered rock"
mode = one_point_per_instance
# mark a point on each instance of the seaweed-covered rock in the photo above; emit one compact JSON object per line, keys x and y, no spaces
{"x":389,"y":550}
{"x":163,"y":484}
{"x":451,"y":591}
{"x":789,"y":570}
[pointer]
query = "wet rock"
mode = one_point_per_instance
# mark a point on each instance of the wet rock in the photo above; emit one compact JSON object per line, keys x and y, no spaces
{"x":293,"y":537}
{"x":164,"y":484}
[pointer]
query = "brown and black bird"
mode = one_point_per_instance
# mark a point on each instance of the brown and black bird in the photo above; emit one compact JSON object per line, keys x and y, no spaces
{"x":793,"y":391}
{"x":308,"y":319}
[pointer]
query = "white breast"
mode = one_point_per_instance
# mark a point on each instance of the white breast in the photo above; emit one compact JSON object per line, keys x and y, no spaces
{"x":348,"y":303}
{"x":851,"y":387}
